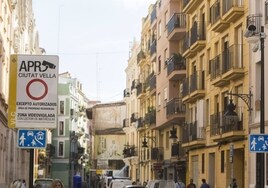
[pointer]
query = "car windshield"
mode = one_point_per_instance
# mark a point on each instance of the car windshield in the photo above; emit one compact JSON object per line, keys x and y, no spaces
{"x":44,"y":183}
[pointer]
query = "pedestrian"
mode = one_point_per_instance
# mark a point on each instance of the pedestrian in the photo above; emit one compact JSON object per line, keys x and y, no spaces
{"x":145,"y":183}
{"x":57,"y":184}
{"x":180,"y":184}
{"x":191,"y":184}
{"x":233,"y":184}
{"x":204,"y":184}
{"x":23,"y":185}
{"x":16,"y":184}
{"x":138,"y":182}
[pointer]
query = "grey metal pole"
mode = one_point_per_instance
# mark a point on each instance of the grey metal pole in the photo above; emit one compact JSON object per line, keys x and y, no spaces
{"x":31,"y":168}
{"x":260,"y":158}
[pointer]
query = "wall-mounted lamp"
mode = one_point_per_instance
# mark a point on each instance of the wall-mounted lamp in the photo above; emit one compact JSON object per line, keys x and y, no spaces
{"x":245,"y":97}
{"x":231,"y":116}
{"x":173,"y":133}
{"x":145,"y":143}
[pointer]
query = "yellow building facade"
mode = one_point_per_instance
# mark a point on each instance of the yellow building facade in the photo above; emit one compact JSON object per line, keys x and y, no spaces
{"x":217,"y":65}
{"x":199,"y":56}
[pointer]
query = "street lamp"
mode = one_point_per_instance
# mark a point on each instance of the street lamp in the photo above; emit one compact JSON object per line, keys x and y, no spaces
{"x":145,"y":143}
{"x":260,"y":159}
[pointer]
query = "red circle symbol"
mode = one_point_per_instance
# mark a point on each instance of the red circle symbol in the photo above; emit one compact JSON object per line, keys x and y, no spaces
{"x":36,"y":97}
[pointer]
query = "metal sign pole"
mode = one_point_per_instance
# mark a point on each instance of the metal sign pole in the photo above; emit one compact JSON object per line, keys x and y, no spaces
{"x":31,"y":168}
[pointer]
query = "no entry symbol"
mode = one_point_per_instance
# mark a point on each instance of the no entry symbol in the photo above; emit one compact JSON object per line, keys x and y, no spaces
{"x":37,"y":89}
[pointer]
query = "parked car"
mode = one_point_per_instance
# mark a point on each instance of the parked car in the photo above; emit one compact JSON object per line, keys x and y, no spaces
{"x":161,"y":184}
{"x":134,"y":186}
{"x":120,"y":182}
{"x":44,"y":182}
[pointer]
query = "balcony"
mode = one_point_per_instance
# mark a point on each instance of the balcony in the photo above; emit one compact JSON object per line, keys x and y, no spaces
{"x":125,"y":123}
{"x":152,"y":83}
{"x":140,"y":56}
{"x":254,"y":19}
{"x":150,"y":117}
{"x":187,"y":53}
{"x":232,"y":10}
{"x":185,"y":89}
{"x":130,"y":151}
{"x":175,"y":111}
{"x":198,"y":36}
{"x":189,"y":6}
{"x":153,"y":48}
{"x":176,"y":27}
{"x":140,"y":123}
{"x":153,"y":15}
{"x":134,"y":84}
{"x":232,"y":63}
{"x":141,"y":89}
{"x":126,"y":92}
{"x":218,"y":25}
{"x":176,"y":67}
{"x":195,"y":40}
{"x":157,"y":154}
{"x":195,"y":85}
{"x":222,"y":130}
{"x":193,"y":136}
{"x":177,"y":151}
{"x":216,"y":72}
{"x":134,"y":117}
{"x":227,"y":66}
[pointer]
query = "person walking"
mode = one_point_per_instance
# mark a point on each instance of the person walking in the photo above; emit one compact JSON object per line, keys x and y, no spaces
{"x":57,"y":184}
{"x":204,"y":184}
{"x":180,"y":184}
{"x":23,"y":184}
{"x":233,"y":184}
{"x":191,"y":184}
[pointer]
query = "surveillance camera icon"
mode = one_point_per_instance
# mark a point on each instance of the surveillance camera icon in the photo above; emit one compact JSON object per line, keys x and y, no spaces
{"x":49,"y":65}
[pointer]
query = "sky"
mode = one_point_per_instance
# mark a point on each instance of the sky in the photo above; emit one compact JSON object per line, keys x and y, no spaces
{"x":92,"y":39}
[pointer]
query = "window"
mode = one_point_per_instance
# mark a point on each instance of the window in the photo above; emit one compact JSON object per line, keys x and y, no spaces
{"x":207,"y":112}
{"x":266,"y":12}
{"x":60,"y":154}
{"x":61,"y":107}
{"x":166,"y":18}
{"x":165,"y":96}
{"x":239,"y":48}
{"x":61,"y":128}
{"x":209,"y":62}
{"x":159,"y":29}
{"x":203,"y":163}
{"x":159,"y":99}
{"x":165,"y":57}
{"x":159,"y":64}
{"x":222,"y":161}
{"x":167,"y":140}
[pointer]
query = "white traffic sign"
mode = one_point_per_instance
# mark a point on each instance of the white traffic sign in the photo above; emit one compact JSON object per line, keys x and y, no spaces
{"x":258,"y":143}
{"x":33,"y":93}
{"x":32,"y":138}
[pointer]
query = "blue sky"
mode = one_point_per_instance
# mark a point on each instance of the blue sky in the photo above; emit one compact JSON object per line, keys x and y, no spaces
{"x":92,"y":39}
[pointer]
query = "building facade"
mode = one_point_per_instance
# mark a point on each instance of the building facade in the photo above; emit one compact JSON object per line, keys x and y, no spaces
{"x":71,"y":136}
{"x":109,"y":139}
{"x":205,"y":68}
{"x":18,"y":35}
{"x":131,"y":148}
{"x":257,"y":17}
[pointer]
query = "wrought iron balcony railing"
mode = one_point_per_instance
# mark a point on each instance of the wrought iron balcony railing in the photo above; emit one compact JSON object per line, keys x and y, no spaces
{"x":178,"y":20}
{"x":175,"y":106}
